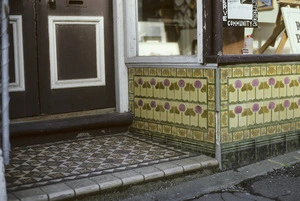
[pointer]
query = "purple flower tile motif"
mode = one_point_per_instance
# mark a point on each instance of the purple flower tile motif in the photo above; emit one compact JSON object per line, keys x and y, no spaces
{"x":198,"y":109}
{"x":286,"y":103}
{"x":153,"y":82}
{"x":140,"y":81}
{"x":153,"y":104}
{"x":238,"y":84}
{"x":181,"y":107}
{"x":181,"y":83}
{"x":140,"y":103}
{"x":167,"y":82}
{"x":255,"y":107}
{"x":271,"y":81}
{"x":255,"y":82}
{"x":167,"y":105}
{"x":286,"y":80}
{"x":198,"y":84}
{"x":299,"y":79}
{"x":299,"y":102}
{"x":271,"y":105}
{"x":238,"y":110}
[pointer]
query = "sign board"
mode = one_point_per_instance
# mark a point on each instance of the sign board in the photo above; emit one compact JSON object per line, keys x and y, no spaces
{"x":291,"y":17}
{"x":240,"y":13}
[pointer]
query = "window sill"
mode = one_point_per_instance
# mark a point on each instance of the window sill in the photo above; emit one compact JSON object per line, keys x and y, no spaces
{"x":254,"y":58}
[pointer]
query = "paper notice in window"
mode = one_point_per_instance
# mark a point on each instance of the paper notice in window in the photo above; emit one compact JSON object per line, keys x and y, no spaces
{"x":240,"y":9}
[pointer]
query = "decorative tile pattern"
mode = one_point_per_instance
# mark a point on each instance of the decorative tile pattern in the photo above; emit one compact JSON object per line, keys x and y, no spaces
{"x":259,"y":100}
{"x":173,"y":101}
{"x":43,"y":164}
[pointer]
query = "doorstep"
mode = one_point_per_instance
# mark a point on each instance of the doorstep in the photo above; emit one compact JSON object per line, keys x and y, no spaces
{"x":96,"y":184}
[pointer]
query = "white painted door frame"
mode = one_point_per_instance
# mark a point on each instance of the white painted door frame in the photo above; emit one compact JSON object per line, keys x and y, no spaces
{"x":121,"y":71}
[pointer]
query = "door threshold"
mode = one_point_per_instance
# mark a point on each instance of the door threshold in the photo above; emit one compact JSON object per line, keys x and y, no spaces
{"x":64,"y":115}
{"x":107,"y":119}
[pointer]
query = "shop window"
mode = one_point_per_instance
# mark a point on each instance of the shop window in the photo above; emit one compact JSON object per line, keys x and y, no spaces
{"x":264,"y":27}
{"x":164,"y":30}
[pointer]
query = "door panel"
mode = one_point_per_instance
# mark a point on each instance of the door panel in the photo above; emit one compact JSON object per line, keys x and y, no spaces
{"x":81,"y":69}
{"x":68,"y":57}
{"x":23,"y":86}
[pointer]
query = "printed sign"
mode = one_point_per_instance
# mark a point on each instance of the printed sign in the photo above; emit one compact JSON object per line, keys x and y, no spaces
{"x":291,"y":17}
{"x":240,"y":13}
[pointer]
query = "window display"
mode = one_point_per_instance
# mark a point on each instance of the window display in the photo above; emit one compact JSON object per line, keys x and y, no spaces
{"x":167,"y":27}
{"x":268,"y":37}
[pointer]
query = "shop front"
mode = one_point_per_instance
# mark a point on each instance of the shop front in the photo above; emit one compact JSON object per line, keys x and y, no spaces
{"x":220,"y":78}
{"x":217,"y":77}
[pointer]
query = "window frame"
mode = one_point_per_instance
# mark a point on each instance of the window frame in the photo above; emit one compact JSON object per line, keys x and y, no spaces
{"x":131,"y":44}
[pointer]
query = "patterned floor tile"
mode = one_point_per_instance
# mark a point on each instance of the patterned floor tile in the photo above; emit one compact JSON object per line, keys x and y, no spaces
{"x":43,"y":164}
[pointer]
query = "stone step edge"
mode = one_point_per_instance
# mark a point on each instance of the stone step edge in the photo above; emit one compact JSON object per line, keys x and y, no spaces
{"x":92,"y":185}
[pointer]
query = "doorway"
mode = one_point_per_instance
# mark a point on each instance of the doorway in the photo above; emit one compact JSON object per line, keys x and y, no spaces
{"x":62,"y":57}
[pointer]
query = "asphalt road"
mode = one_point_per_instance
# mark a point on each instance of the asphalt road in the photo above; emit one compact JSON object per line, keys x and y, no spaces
{"x":276,"y":179}
{"x":279,"y":185}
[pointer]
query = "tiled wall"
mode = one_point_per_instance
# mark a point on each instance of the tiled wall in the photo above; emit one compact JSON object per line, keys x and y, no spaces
{"x":260,"y":112}
{"x":259,"y":101}
{"x":174,"y":103}
{"x":259,"y":108}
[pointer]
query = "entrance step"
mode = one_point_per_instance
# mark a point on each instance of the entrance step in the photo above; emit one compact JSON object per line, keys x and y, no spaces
{"x":67,"y":126}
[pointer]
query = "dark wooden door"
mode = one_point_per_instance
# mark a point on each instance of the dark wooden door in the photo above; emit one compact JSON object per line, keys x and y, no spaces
{"x":73,"y":45}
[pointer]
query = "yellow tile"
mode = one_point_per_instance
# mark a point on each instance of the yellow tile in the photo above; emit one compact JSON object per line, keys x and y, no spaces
{"x":255,"y":71}
{"x":140,"y":125}
{"x":255,"y":88}
{"x":182,"y":132}
{"x":225,"y":136}
{"x":211,"y":119}
{"x":175,"y":130}
{"x":210,"y":74}
{"x":197,"y":135}
{"x":153,"y":127}
{"x":199,"y":90}
{"x":224,"y":92}
{"x":211,"y":135}
{"x":238,"y":136}
{"x":297,"y":109}
{"x":131,"y":72}
{"x":166,"y":72}
{"x":278,"y":129}
{"x":271,"y":130}
{"x":190,"y":72}
{"x":181,"y":72}
{"x":271,"y":70}
{"x":286,"y":127}
{"x":167,"y":129}
{"x":255,"y":133}
{"x":238,"y":72}
{"x":225,"y":73}
{"x":263,"y":70}
{"x":152,"y":71}
{"x":199,"y":72}
{"x":158,"y":71}
{"x":273,"y":89}
{"x":174,"y":72}
{"x":139,"y":71}
{"x":146,"y":71}
{"x":211,"y":93}
{"x":224,"y":118}
{"x":287,"y":69}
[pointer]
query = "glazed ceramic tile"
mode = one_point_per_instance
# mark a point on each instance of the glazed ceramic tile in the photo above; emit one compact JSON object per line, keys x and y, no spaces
{"x":42,"y":164}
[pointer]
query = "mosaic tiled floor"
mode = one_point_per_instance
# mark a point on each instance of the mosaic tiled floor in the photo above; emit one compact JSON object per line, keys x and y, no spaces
{"x":44,"y":164}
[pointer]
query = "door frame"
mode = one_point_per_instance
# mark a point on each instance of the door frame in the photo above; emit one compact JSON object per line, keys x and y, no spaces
{"x":121,"y":71}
